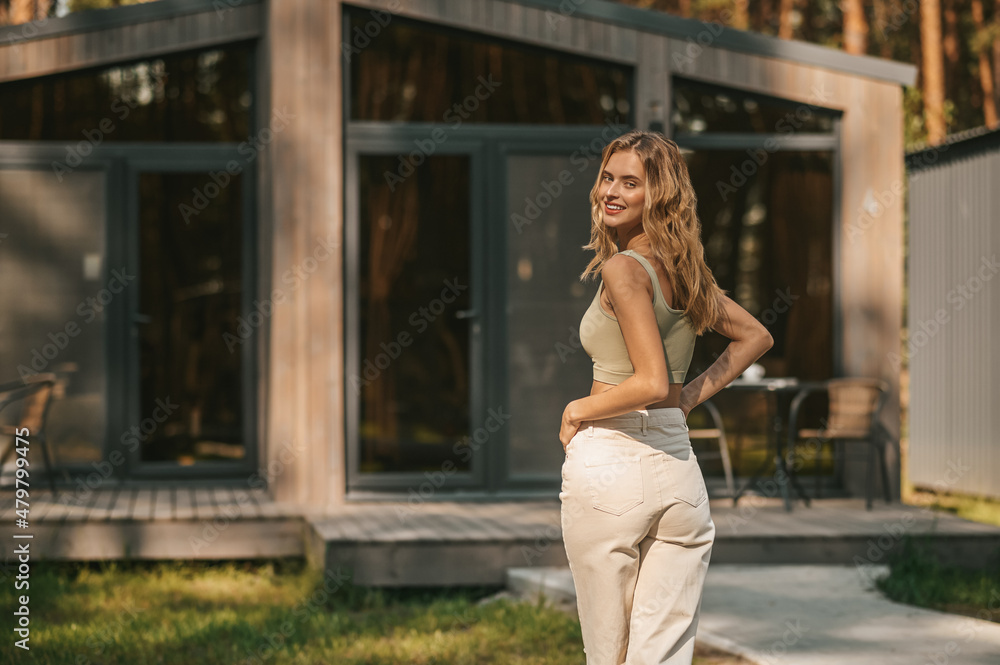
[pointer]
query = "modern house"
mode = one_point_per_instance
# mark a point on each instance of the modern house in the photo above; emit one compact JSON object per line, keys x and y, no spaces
{"x":333,"y":248}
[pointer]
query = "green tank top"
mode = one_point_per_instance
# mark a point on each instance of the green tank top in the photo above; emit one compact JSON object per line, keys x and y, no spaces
{"x":602,"y":339}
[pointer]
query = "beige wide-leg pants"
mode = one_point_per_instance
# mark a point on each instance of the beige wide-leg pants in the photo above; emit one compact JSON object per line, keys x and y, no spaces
{"x":638,"y":536}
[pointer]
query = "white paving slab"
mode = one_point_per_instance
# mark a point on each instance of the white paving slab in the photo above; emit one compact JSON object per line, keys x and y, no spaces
{"x":813,"y":615}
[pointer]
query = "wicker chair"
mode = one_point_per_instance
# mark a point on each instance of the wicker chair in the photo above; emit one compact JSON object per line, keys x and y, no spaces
{"x":719,"y":433}
{"x":36,"y":393}
{"x":855,"y":405}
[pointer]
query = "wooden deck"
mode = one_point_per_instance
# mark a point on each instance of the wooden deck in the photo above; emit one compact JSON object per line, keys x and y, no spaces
{"x":446,"y":542}
{"x":166,"y":522}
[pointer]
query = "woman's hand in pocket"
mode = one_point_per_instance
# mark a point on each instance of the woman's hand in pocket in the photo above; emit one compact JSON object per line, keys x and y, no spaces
{"x":570,"y":426}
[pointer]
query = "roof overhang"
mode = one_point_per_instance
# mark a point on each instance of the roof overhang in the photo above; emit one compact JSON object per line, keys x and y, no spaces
{"x":601,"y":10}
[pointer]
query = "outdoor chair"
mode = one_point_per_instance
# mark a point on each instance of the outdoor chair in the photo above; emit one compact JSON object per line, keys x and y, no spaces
{"x":36,"y":393}
{"x":716,"y":431}
{"x":854,"y":408}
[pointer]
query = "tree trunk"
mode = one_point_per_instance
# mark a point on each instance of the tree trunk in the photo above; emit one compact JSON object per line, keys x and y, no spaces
{"x":881,"y":23}
{"x":855,"y":27}
{"x":951,"y":45}
{"x":985,"y":68}
{"x":933,"y":70}
{"x":741,"y":16}
{"x":761,"y":20}
{"x":21,"y":11}
{"x":785,"y":11}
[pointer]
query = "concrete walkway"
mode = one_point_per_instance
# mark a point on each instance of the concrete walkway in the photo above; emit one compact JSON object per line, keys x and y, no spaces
{"x":812,"y":615}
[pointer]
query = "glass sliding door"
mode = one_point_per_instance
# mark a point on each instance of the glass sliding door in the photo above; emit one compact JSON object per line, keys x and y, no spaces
{"x":473,"y":396}
{"x":548,"y":221}
{"x":57,"y":289}
{"x":411,"y":373}
{"x":189,"y":322}
{"x":768,"y":240}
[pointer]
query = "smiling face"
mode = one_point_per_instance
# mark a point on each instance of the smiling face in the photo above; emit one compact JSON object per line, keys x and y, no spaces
{"x":623,"y":191}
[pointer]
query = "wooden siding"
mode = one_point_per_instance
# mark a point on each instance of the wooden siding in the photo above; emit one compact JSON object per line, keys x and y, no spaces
{"x":301,"y":208}
{"x":79,"y":50}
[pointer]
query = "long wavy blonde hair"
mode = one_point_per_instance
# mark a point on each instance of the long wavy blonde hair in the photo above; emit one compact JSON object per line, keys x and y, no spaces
{"x":670,"y":220}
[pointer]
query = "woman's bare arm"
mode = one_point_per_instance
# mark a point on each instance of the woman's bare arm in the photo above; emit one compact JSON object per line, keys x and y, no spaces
{"x":629,"y":287}
{"x":750,"y":340}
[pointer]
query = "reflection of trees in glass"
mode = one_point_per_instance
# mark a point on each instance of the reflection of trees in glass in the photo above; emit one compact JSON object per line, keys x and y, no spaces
{"x":201,"y":96}
{"x":700,"y":107}
{"x":769,"y":245}
{"x":15,"y":12}
{"x":190,"y":288}
{"x":414,"y":355}
{"x":420,"y":72}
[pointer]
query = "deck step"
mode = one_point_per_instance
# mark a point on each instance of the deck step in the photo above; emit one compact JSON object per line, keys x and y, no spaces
{"x":454,"y":543}
{"x":442,"y":542}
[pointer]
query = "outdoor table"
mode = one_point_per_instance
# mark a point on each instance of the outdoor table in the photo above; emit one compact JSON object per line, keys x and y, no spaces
{"x":784,"y":390}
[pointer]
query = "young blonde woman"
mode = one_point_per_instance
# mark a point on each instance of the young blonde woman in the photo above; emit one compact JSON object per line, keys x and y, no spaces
{"x":634,"y":509}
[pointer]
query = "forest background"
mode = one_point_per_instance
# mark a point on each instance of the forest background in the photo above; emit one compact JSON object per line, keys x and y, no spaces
{"x":955,"y":44}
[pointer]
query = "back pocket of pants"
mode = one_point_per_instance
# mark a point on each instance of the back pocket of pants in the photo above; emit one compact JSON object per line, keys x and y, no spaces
{"x":615,"y":482}
{"x":687,"y":481}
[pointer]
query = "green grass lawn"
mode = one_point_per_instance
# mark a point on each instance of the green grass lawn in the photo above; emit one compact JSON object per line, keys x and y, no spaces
{"x":282,"y":612}
{"x":918,"y":578}
{"x":189,"y":613}
{"x":975,"y":508}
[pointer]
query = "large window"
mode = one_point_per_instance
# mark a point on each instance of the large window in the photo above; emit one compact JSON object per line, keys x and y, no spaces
{"x":764,"y":172}
{"x":55,"y":295}
{"x":414,"y":371}
{"x":417,"y":72}
{"x":142,"y":248}
{"x":201,"y":96}
{"x":461,"y":346}
{"x":700,"y":108}
{"x":769,"y":242}
{"x":190,"y":295}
